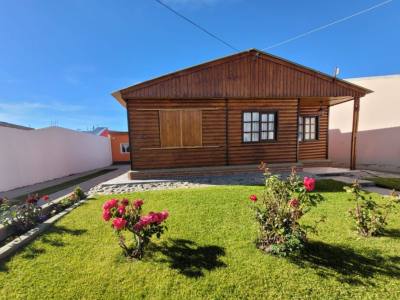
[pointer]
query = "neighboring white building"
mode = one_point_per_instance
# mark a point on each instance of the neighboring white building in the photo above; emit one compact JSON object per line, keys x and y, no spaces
{"x":33,"y":156}
{"x":378,"y":139}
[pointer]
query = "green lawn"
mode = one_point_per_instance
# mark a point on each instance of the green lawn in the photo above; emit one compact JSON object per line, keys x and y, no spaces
{"x":64,"y":185}
{"x":390,"y":183}
{"x":207,"y":253}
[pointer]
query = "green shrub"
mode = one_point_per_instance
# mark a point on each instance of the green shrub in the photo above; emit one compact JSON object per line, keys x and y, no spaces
{"x":79,"y":193}
{"x":369,"y":216}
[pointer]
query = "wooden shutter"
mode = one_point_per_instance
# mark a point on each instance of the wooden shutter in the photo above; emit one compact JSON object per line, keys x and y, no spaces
{"x":180,"y":128}
{"x":191,"y":128}
{"x":170,"y":128}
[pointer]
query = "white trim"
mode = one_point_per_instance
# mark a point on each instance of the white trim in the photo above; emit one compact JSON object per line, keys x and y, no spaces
{"x":120,"y":148}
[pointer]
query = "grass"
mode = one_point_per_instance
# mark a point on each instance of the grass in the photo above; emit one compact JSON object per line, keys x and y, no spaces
{"x":58,"y":187}
{"x":388,"y":182}
{"x":207,"y":253}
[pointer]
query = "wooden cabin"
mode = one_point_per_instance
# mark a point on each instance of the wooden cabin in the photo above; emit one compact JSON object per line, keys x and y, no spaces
{"x":240,"y":109}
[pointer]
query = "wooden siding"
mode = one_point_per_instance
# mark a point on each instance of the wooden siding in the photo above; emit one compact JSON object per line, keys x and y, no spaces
{"x":315,"y":149}
{"x":247,"y":76}
{"x":145,"y":135}
{"x":146,"y":144}
{"x":282,"y":150}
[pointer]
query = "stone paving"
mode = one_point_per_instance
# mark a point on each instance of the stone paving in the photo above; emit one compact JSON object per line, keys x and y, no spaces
{"x":187,"y":182}
{"x":121,"y":184}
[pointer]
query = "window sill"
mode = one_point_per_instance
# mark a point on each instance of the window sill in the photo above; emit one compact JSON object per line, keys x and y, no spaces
{"x":260,"y":143}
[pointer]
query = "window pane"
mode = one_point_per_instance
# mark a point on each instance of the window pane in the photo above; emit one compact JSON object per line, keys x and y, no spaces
{"x":300,"y":136}
{"x":255,"y":137}
{"x":301,"y":120}
{"x":312,"y":120}
{"x":247,"y":117}
{"x":307,"y":136}
{"x":312,"y":136}
{"x":271,"y":135}
{"x":247,"y":137}
{"x":255,"y":116}
{"x":264,"y":117}
{"x":307,"y":120}
{"x":255,"y":126}
{"x":271,"y":126}
{"x":307,"y":129}
{"x":264,"y":126}
{"x":264,"y":135}
{"x":247,"y":127}
{"x":271,"y":117}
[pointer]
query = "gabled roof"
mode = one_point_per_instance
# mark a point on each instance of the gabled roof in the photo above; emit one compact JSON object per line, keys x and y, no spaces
{"x":335,"y":86}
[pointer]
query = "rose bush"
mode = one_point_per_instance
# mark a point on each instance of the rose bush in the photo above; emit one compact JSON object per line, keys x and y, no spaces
{"x":280,"y":209}
{"x":369,"y":216}
{"x":22,"y":217}
{"x":127,"y":216}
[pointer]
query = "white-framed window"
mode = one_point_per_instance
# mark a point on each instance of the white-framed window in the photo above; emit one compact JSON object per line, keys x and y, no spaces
{"x":308,"y":128}
{"x":124,"y":147}
{"x":259,"y":126}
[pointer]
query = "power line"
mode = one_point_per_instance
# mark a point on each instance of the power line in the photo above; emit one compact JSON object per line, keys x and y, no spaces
{"x":327,"y":25}
{"x":197,"y":25}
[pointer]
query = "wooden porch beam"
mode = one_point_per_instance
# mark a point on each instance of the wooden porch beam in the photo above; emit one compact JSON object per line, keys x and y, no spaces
{"x":353,"y":154}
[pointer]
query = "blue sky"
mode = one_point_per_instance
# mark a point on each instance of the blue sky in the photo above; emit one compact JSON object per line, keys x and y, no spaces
{"x":60,"y":60}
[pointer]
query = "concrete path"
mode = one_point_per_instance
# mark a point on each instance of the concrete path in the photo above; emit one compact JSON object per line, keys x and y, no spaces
{"x":378,"y":190}
{"x":86,"y":185}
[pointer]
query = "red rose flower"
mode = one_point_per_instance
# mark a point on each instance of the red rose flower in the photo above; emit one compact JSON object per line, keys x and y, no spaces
{"x":125,"y":202}
{"x":138,"y":203}
{"x":106,"y":215}
{"x":294,"y":203}
{"x":309,"y":183}
{"x":121,"y":210}
{"x":119,"y":223}
{"x":253,"y":198}
{"x":45,"y":198}
{"x":110,"y":204}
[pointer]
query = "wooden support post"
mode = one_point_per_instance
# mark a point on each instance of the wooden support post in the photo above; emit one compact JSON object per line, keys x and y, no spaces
{"x":353,"y":154}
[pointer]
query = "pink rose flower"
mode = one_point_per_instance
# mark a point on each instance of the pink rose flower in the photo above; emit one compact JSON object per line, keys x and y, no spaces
{"x":121,"y":210}
{"x":125,"y":202}
{"x":110,"y":204}
{"x":164,"y":214}
{"x":138,"y":203}
{"x":309,"y":183}
{"x":138,"y":226}
{"x":106,"y":215}
{"x":294,"y":203}
{"x":253,"y":198}
{"x":119,"y":223}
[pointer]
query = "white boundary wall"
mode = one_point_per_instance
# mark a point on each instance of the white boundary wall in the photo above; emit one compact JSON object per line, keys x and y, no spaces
{"x":378,"y":139}
{"x":33,"y":156}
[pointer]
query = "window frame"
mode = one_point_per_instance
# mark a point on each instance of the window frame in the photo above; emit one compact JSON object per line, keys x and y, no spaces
{"x":260,"y":112}
{"x":121,"y":147}
{"x":303,"y":128}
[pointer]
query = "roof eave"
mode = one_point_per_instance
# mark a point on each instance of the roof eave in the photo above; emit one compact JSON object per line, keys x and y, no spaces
{"x":117,"y":95}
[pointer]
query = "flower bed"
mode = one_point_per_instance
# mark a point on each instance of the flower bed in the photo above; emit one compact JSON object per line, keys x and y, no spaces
{"x":16,"y":220}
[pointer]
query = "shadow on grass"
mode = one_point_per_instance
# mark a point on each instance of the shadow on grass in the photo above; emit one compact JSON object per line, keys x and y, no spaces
{"x":346,"y":265}
{"x":329,"y":185}
{"x":392,"y":233}
{"x":190,"y":259}
{"x":52,"y":237}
